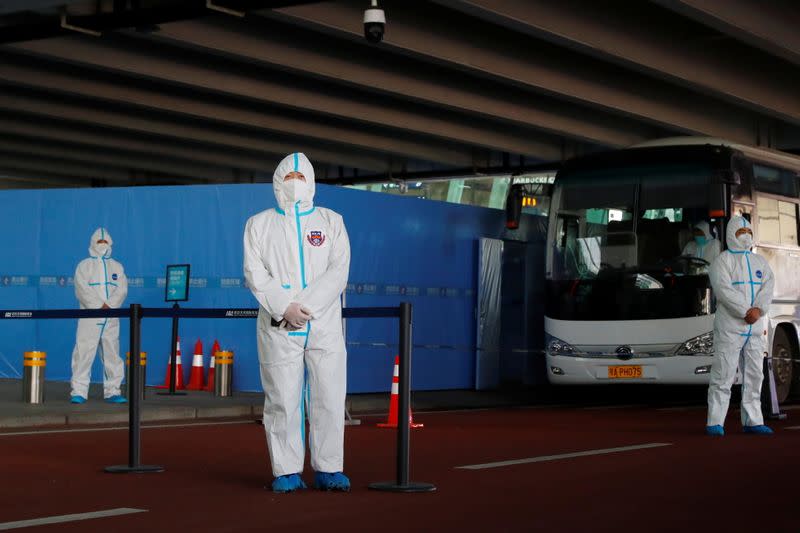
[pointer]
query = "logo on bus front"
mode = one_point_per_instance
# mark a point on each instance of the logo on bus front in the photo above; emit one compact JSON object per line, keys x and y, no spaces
{"x":624,"y":352}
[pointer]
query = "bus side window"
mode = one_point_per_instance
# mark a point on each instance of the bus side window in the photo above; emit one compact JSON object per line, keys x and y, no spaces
{"x":777,"y":221}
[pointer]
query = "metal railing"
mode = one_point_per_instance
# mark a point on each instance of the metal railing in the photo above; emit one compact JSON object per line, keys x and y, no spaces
{"x":136,"y":313}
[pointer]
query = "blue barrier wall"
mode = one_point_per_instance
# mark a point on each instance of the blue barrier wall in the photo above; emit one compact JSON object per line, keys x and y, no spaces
{"x":402,"y":249}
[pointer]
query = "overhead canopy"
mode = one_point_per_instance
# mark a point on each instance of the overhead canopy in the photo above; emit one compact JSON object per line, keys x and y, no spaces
{"x":126,"y":92}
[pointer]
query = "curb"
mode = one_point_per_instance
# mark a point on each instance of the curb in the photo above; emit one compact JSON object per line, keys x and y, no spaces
{"x":153,"y":414}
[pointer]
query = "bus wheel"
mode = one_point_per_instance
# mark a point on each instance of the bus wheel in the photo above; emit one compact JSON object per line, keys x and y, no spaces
{"x":782,"y":364}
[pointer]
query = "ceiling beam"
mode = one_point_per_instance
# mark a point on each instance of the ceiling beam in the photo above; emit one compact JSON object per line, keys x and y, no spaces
{"x":60,"y":167}
{"x":104,"y":17}
{"x":192,"y":107}
{"x":109,"y":140}
{"x":770,"y":26}
{"x":448,"y":38}
{"x":162,"y":125}
{"x":14,"y":178}
{"x":12,"y":6}
{"x":383,"y":124}
{"x":313,"y":54}
{"x":114,"y":159}
{"x":659,"y":44}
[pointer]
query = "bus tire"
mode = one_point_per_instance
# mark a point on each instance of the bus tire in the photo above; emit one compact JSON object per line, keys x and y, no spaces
{"x":782,"y":365}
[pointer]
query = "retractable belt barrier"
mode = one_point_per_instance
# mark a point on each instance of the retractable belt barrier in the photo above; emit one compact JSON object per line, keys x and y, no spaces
{"x":136,"y":313}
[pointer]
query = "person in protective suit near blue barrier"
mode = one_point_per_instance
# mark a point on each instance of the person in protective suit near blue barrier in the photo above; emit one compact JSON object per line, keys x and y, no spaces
{"x":100,"y":283}
{"x":743,"y":284}
{"x":296,"y":263}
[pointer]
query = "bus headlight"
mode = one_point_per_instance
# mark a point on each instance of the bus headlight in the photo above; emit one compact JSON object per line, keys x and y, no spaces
{"x":556,"y":346}
{"x":701,"y":345}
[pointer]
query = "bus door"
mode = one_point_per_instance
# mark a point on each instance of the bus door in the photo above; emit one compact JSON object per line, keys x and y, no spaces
{"x":509,"y":313}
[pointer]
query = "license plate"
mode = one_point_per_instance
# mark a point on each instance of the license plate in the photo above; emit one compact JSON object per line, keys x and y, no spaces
{"x":625,"y":372}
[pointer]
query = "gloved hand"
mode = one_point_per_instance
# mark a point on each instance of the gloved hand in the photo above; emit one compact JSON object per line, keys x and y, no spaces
{"x":296,"y":315}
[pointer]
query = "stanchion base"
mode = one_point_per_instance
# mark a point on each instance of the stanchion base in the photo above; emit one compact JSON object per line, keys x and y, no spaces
{"x":171,"y":393}
{"x":126,"y":469}
{"x":391,"y":486}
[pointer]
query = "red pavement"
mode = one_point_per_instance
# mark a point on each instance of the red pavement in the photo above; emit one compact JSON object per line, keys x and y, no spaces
{"x":216,"y":474}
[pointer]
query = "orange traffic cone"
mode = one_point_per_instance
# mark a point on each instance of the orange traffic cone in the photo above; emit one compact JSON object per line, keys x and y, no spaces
{"x":211,"y":371}
{"x":196,"y":377}
{"x":391,"y":422}
{"x":168,"y":379}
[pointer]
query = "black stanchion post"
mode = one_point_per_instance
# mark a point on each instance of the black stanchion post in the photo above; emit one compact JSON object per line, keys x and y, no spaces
{"x":173,"y":356}
{"x":403,"y":428}
{"x":404,"y":407}
{"x":134,"y":415}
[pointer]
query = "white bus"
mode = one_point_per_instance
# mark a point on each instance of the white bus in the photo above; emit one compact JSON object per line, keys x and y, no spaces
{"x":623,"y":302}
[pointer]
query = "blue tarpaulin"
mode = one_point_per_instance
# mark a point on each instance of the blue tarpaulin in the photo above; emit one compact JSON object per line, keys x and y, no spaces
{"x":420,"y":251}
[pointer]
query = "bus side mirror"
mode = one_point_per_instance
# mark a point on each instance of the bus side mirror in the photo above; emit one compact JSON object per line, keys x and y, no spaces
{"x":514,"y":206}
{"x":717,"y":201}
{"x":727,"y":176}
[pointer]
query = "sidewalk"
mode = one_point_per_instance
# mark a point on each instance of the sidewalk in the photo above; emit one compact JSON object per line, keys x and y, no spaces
{"x":57,"y":411}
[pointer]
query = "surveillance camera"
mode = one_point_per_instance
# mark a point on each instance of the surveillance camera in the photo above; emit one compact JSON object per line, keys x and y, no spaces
{"x":374,"y":24}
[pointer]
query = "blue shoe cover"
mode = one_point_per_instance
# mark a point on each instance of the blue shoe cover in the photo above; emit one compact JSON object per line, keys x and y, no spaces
{"x":116,"y":399}
{"x":77,"y":399}
{"x":288,"y":483}
{"x":331,"y":481}
{"x":758,"y":430}
{"x":715,"y":431}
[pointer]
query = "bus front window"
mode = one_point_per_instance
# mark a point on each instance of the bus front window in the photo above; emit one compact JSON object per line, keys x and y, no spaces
{"x":616,"y":244}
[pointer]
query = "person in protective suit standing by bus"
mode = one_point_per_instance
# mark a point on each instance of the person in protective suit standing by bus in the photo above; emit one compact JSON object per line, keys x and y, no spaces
{"x":296,"y":263}
{"x":743,"y":283}
{"x":703,"y":245}
{"x":100,"y":283}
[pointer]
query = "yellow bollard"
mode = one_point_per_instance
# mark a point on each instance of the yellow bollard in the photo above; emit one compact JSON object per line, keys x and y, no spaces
{"x":33,"y":365}
{"x":223,"y":373}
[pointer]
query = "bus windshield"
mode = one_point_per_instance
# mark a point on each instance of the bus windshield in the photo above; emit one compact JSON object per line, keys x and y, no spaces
{"x":618,"y":239}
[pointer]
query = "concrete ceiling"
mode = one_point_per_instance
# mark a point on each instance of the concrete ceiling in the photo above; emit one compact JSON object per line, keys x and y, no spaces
{"x":130,"y":92}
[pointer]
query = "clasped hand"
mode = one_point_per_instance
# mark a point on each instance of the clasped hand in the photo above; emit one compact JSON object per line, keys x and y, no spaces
{"x":752,"y":315}
{"x":296,"y":315}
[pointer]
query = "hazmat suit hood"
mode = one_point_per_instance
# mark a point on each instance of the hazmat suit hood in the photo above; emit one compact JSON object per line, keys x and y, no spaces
{"x":288,"y":194}
{"x":705,"y":228}
{"x":744,"y":242}
{"x":701,"y":242}
{"x":100,"y":250}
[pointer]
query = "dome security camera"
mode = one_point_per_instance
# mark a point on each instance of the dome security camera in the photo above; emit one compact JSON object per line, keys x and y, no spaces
{"x":374,"y":24}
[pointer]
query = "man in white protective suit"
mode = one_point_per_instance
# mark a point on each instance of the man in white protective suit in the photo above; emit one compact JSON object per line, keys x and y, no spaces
{"x":100,"y":283}
{"x":296,"y":262}
{"x":743,"y":284}
{"x":703,"y":245}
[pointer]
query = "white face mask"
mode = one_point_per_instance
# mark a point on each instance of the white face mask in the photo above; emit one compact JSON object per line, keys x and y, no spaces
{"x":294,"y":191}
{"x":101,"y":248}
{"x":745,"y":240}
{"x":297,"y":189}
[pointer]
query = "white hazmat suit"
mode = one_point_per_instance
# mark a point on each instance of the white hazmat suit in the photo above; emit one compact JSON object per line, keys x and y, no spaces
{"x":299,"y":253}
{"x":741,"y":280}
{"x":99,"y":280}
{"x":708,"y":250}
